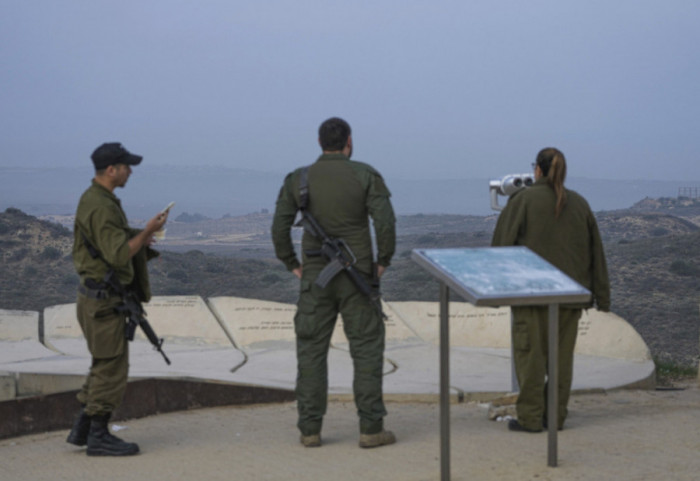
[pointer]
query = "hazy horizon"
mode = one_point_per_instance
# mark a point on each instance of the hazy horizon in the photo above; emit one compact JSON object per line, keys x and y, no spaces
{"x":87,"y":171}
{"x":215,"y":192}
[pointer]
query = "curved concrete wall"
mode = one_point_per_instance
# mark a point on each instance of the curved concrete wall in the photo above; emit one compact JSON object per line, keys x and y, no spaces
{"x":600,"y":333}
{"x":189,"y":320}
{"x":470,"y":326}
{"x":249,"y":341}
{"x":608,"y":335}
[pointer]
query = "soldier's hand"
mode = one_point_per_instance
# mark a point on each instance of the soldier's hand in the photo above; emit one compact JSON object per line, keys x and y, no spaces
{"x":145,"y":237}
{"x":150,"y":240}
{"x":380,"y":270}
{"x":297,"y":272}
{"x":156,"y":223}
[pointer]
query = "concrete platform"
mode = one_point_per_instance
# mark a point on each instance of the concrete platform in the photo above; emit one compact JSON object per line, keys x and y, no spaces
{"x":251,"y":342}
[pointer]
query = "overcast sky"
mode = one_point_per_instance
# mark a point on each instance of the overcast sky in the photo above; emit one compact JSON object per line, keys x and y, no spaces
{"x":433,"y":89}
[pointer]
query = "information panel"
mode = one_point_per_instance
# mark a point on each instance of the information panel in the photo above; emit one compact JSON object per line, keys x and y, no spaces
{"x":501,"y":276}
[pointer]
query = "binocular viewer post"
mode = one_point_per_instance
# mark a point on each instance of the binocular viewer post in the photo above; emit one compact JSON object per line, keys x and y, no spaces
{"x":507,"y":186}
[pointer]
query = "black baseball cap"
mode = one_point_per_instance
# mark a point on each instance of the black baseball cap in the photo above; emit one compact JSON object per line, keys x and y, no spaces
{"x":112,"y":153}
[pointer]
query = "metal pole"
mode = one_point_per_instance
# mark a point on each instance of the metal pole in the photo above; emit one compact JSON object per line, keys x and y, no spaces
{"x":514,"y":386}
{"x":444,"y":382}
{"x":553,"y":386}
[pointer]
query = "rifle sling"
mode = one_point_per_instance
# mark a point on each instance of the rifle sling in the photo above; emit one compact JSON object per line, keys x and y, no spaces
{"x":330,"y":270}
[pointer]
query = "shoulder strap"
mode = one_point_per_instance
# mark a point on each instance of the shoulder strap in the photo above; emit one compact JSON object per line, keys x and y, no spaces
{"x":94,"y":253}
{"x":304,"y":188}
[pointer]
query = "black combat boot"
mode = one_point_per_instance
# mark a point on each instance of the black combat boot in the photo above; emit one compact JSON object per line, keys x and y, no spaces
{"x":101,"y":442}
{"x":81,"y":427}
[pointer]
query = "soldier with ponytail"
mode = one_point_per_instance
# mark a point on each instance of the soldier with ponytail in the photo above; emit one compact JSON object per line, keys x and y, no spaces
{"x":557,"y":224}
{"x":552,"y":165}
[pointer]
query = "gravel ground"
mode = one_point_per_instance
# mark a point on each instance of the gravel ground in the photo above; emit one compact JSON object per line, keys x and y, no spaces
{"x":619,"y":435}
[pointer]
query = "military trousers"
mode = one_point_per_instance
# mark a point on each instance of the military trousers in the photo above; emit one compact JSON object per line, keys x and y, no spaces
{"x":104,"y":332}
{"x":314,"y":322}
{"x":530,"y":351}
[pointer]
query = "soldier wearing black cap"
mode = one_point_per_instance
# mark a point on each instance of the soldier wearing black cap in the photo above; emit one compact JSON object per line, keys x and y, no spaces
{"x":101,"y":221}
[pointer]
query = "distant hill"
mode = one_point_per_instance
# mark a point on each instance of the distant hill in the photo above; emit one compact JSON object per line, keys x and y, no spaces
{"x":630,"y":225}
{"x":678,"y":206}
{"x":37,"y":270}
{"x":653,"y":259}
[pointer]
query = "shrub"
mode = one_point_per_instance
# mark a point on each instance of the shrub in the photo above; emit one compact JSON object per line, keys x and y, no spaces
{"x":682,"y":268}
{"x":270,"y":278}
{"x":179,"y":275}
{"x":70,"y":279}
{"x":50,"y":254}
{"x":19,"y":254}
{"x":426,"y":239}
{"x":30,"y":271}
{"x":214,"y":267}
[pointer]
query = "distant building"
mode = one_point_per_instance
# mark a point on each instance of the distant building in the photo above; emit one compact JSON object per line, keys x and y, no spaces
{"x":689,"y":192}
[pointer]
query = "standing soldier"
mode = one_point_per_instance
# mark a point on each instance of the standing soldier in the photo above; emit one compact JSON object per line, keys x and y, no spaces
{"x":557,"y":224}
{"x":101,"y":226}
{"x":341,"y":194}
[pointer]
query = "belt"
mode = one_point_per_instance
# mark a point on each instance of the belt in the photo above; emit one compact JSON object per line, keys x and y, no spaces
{"x":94,"y":293}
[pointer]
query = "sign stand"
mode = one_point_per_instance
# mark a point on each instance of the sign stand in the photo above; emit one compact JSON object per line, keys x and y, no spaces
{"x":498,"y":276}
{"x":444,"y":382}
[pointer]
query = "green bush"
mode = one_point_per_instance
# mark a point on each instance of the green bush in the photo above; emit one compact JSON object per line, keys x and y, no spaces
{"x":50,"y":254}
{"x":270,"y":278}
{"x":179,"y":275}
{"x":426,"y":239}
{"x":70,"y":279}
{"x":673,"y":370}
{"x":30,"y":271}
{"x":19,"y":254}
{"x":682,"y":268}
{"x":215,"y":267}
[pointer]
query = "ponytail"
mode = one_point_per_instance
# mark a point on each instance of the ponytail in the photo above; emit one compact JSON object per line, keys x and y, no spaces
{"x":553,"y":166}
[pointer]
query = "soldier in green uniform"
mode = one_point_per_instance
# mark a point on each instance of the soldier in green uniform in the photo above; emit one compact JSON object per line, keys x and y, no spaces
{"x":557,"y":224}
{"x":342,"y":194}
{"x":101,"y":220}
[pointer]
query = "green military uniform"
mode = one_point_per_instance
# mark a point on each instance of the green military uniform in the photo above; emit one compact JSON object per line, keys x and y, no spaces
{"x":101,"y":219}
{"x":342,"y":194}
{"x":572,"y":243}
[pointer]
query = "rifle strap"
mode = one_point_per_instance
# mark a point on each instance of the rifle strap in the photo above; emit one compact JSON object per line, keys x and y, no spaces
{"x":304,"y":188}
{"x":95,"y":254}
{"x":92,"y":250}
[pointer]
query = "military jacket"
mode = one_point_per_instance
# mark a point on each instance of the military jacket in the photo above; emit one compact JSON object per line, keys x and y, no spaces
{"x":571,"y":242}
{"x":342,"y":194}
{"x":101,"y":218}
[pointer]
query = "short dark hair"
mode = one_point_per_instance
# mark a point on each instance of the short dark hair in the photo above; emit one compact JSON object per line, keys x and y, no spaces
{"x":333,"y":134}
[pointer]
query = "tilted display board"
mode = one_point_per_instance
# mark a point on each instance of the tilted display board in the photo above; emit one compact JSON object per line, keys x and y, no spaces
{"x":498,"y":276}
{"x":501,"y":276}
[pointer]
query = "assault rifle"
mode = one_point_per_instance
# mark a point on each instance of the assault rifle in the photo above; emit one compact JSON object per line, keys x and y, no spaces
{"x":130,"y":306}
{"x":135,"y":313}
{"x":334,"y":250}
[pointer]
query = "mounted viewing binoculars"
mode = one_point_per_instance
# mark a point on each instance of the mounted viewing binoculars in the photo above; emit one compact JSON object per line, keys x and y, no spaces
{"x":507,"y":186}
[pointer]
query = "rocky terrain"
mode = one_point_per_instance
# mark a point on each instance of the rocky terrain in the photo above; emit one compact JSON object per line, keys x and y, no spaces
{"x":653,"y":252}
